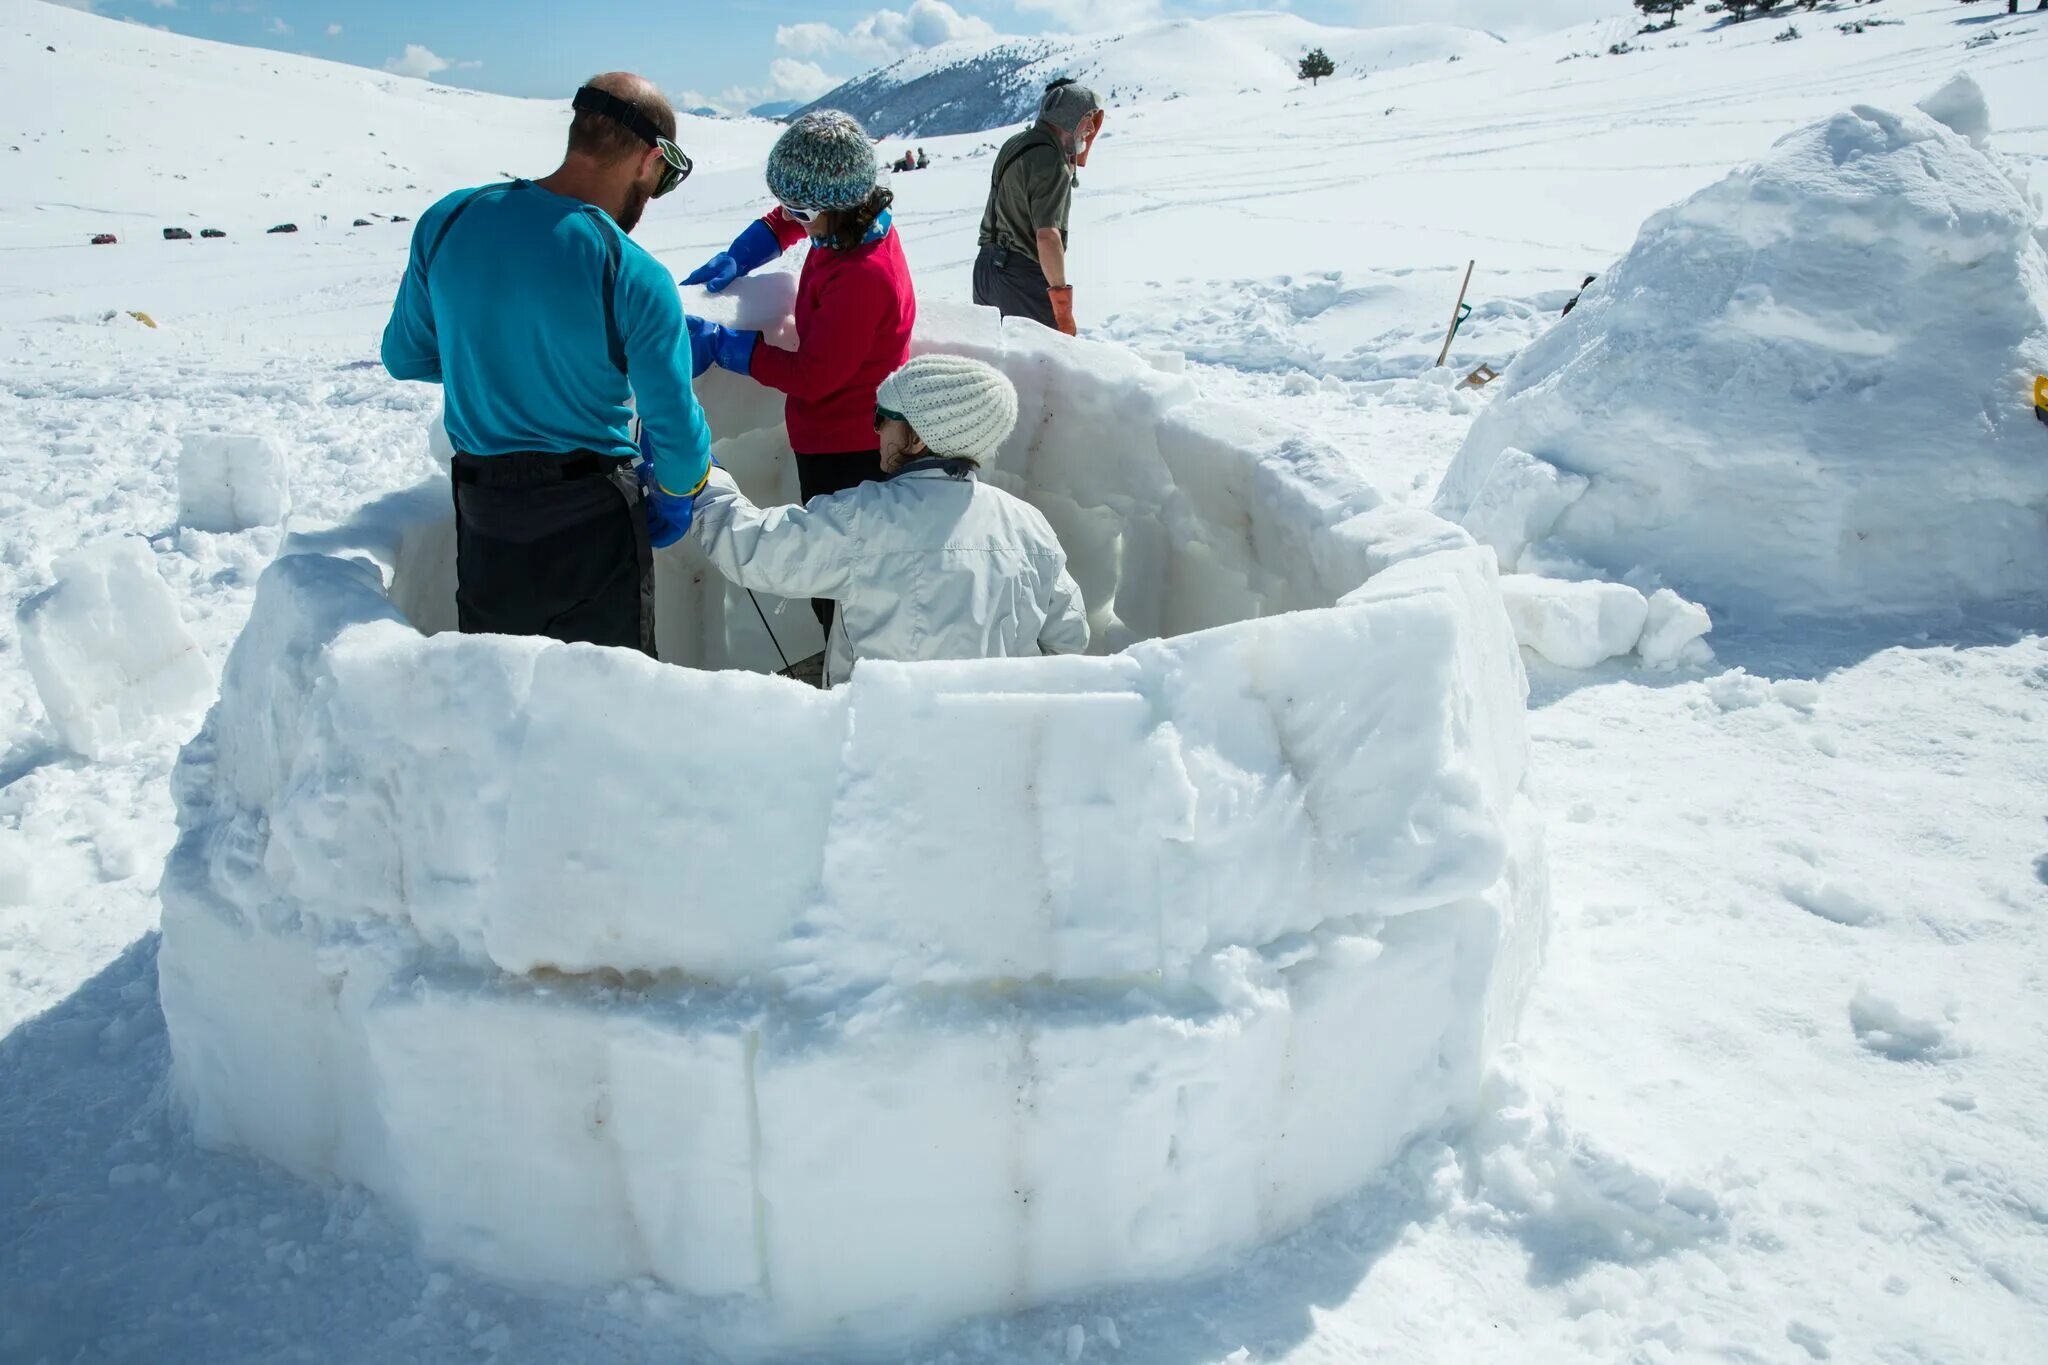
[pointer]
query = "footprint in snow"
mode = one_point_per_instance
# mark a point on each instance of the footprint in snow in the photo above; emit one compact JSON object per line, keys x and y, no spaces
{"x":1832,"y":903}
{"x":1889,"y":1030}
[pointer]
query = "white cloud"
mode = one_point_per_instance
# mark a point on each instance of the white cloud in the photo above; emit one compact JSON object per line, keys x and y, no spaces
{"x":417,"y":61}
{"x":276,"y":25}
{"x":884,"y":35}
{"x":334,"y":30}
{"x":164,"y":4}
{"x":788,"y":79}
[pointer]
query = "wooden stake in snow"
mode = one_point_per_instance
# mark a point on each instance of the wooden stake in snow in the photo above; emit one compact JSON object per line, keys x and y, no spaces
{"x":1456,"y":309}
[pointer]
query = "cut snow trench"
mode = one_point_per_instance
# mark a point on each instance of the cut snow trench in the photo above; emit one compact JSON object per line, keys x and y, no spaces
{"x":957,"y":988}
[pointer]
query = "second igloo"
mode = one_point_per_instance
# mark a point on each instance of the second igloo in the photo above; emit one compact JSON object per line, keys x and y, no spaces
{"x":1806,"y":389}
{"x":955,"y":989}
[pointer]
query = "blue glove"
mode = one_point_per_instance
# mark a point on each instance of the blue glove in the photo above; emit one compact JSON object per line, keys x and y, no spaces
{"x":700,"y":344}
{"x":749,"y":251}
{"x":732,"y":350}
{"x":668,"y":514}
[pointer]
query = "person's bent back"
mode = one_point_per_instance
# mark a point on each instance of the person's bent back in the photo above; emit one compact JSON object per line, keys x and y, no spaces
{"x":546,"y":325}
{"x":927,"y":563}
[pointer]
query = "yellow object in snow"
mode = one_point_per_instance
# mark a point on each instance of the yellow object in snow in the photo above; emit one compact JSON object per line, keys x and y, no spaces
{"x":145,"y":319}
{"x":2041,"y":396}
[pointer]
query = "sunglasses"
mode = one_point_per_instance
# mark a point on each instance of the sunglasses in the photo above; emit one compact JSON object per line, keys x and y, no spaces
{"x":802,"y":215}
{"x":676,"y":164}
{"x":886,"y":415}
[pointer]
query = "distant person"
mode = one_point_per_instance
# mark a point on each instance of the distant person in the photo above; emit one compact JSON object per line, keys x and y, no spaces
{"x":854,"y":305}
{"x":529,"y":304}
{"x":922,"y":160}
{"x":1021,"y":270}
{"x":927,"y":563}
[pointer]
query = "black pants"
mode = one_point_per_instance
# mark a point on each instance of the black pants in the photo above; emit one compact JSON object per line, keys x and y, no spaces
{"x":537,"y":553}
{"x":817,"y":475}
{"x":1012,"y":283}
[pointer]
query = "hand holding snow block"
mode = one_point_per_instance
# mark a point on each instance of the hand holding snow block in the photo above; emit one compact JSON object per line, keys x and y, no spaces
{"x":111,"y":659}
{"x":232,"y":481}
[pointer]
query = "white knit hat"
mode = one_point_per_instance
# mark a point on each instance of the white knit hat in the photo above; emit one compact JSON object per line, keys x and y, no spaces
{"x":959,"y":406}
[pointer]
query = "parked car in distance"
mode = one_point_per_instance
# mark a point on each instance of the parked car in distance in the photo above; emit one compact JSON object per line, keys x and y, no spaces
{"x":284,"y":227}
{"x":177,"y":234}
{"x":104,"y":239}
{"x":400,"y":218}
{"x":211,"y":232}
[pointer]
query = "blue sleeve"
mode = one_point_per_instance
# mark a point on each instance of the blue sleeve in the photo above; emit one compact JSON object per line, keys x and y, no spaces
{"x":650,"y":314}
{"x":411,"y":350}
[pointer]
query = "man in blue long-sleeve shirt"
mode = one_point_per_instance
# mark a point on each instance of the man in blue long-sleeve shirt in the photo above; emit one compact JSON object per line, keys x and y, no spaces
{"x":531,"y":306}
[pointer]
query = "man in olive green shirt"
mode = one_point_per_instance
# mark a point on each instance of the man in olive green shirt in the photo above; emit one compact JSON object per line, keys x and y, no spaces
{"x":1021,"y":270}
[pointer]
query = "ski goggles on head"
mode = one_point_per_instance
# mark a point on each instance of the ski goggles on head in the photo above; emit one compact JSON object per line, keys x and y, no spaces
{"x":883,"y":416}
{"x":676,"y":163}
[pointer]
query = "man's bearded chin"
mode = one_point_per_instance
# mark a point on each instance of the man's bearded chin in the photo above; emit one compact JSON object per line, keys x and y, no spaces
{"x":637,"y":195}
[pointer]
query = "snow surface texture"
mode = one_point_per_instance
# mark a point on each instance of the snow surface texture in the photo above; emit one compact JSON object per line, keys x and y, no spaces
{"x":112,"y":662}
{"x":1759,"y":426}
{"x":232,"y":482}
{"x":951,"y":990}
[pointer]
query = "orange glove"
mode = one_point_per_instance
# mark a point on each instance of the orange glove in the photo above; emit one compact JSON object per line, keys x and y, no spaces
{"x":1062,"y":296}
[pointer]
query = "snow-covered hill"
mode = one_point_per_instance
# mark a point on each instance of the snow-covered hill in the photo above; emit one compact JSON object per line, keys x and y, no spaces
{"x":973,"y":84}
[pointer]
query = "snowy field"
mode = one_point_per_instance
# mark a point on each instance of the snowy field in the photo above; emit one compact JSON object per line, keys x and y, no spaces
{"x":1778,"y":1094}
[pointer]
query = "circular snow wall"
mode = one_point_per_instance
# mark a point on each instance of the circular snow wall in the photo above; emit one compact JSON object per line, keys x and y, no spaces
{"x":956,"y":988}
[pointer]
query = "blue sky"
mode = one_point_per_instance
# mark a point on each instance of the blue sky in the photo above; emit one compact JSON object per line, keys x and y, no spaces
{"x":731,"y":53}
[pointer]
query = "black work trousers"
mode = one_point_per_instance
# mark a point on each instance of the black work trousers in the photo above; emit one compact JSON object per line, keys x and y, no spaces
{"x":553,"y":545}
{"x":1012,"y":283}
{"x":817,"y":475}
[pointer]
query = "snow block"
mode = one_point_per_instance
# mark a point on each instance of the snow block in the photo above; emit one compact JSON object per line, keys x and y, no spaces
{"x":1803,"y":391}
{"x":1518,"y":502}
{"x":109,"y":654}
{"x":1574,"y":624}
{"x":231,"y":481}
{"x":1672,"y":628}
{"x":955,"y":989}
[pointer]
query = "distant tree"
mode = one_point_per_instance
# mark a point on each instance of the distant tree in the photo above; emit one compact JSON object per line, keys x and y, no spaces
{"x":1668,"y":8}
{"x":1316,"y":65}
{"x":1765,"y":6}
{"x":1739,"y":8}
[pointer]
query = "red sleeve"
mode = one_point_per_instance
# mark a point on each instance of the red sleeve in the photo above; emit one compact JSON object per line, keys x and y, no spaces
{"x":787,"y":230}
{"x":854,"y":308}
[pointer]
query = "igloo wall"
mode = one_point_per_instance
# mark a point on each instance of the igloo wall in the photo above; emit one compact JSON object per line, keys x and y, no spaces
{"x":954,"y":989}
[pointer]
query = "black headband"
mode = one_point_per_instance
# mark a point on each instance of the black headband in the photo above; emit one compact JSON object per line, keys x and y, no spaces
{"x":591,"y":100}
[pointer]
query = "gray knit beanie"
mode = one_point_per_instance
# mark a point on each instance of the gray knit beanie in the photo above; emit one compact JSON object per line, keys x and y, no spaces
{"x":823,"y":161}
{"x":1066,"y":104}
{"x":959,"y":406}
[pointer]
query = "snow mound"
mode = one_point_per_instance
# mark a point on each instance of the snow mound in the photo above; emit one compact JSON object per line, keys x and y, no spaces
{"x":959,"y":987}
{"x":110,"y":656}
{"x":231,"y":482}
{"x":1805,"y":388}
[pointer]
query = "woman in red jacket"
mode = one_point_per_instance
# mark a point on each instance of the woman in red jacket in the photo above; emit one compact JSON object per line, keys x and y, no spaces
{"x":854,"y":304}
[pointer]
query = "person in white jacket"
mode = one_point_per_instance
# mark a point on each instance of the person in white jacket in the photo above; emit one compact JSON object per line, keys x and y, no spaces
{"x":927,"y":563}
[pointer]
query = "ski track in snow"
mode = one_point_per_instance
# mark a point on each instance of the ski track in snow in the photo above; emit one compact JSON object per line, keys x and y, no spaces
{"x":1779,"y":1095}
